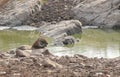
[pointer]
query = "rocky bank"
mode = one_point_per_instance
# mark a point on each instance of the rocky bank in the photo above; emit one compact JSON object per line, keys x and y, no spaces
{"x":42,"y":63}
{"x":102,"y":13}
{"x":17,"y":12}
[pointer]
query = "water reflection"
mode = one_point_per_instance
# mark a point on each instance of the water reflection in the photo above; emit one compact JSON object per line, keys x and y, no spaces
{"x":94,"y":43}
{"x":111,"y":51}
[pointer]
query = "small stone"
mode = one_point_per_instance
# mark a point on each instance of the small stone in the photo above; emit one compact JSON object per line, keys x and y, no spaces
{"x":68,"y":40}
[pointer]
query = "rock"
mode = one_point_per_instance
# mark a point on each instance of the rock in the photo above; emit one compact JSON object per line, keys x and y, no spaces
{"x":68,"y":40}
{"x":23,"y":53}
{"x":103,"y":13}
{"x":69,"y":27}
{"x":116,"y":26}
{"x":40,"y":43}
{"x":49,"y":63}
{"x":24,"y":47}
{"x":16,"y":13}
{"x":5,"y":55}
{"x":60,"y":30}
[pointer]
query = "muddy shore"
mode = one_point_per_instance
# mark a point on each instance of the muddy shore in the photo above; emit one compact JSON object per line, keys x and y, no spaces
{"x":44,"y":64}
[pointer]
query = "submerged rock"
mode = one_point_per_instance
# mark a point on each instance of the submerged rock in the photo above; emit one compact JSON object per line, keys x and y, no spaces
{"x":69,"y":40}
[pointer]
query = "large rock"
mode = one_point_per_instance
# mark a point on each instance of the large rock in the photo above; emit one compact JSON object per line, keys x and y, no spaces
{"x":103,"y":13}
{"x":17,"y":12}
{"x":68,"y":27}
{"x":62,"y":29}
{"x":68,"y":40}
{"x":21,"y":12}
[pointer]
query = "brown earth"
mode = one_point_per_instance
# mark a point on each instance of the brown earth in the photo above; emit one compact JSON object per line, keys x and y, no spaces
{"x":54,"y":10}
{"x":3,"y":2}
{"x":47,"y":65}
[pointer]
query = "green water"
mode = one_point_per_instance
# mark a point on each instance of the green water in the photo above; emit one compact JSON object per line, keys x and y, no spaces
{"x":11,"y":39}
{"x":93,"y":43}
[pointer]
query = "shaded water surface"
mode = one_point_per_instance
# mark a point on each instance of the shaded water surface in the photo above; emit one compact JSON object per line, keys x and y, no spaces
{"x":94,"y":42}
